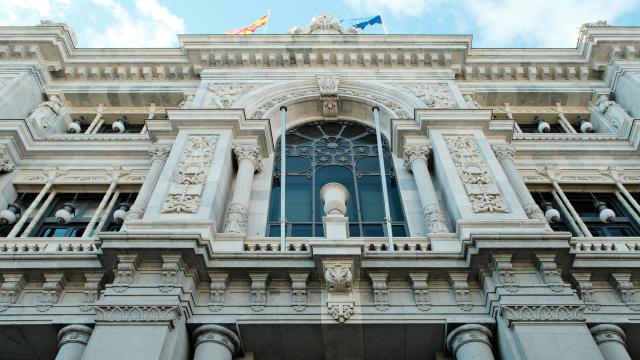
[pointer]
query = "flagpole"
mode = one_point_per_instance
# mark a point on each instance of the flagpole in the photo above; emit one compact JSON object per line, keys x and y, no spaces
{"x":264,"y":31}
{"x":384,"y":28}
{"x":383,"y":178}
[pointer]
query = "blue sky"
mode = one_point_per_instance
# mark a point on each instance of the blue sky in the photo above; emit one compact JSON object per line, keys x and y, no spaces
{"x":155,"y":23}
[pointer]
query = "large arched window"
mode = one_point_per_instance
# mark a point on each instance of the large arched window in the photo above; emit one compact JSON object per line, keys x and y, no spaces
{"x":334,"y":151}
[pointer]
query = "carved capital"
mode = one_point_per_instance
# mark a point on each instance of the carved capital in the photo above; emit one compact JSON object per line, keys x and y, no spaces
{"x":299,"y":290}
{"x":380,"y":290}
{"x":6,"y":162}
{"x":413,"y":153}
{"x":159,"y":152}
{"x":420,"y":290}
{"x":503,"y":272}
{"x":250,"y":153}
{"x":460,"y":287}
{"x":466,"y":334}
{"x":503,"y":151}
{"x":259,"y":290}
{"x":125,"y":272}
{"x":92,"y":287}
{"x":51,"y":290}
{"x":549,"y":273}
{"x":585,"y":290}
{"x":218,"y":290}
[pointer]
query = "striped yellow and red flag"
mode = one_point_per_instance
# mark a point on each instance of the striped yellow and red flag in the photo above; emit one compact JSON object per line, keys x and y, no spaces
{"x":251,"y":28}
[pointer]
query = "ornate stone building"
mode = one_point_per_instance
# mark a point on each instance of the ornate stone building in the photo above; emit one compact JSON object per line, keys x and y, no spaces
{"x":440,"y":201}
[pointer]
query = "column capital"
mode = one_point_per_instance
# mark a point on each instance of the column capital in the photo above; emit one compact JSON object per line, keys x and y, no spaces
{"x":607,"y":333}
{"x":74,"y":334}
{"x":249,"y":152}
{"x":415,"y":152}
{"x":159,"y":152}
{"x":503,"y":151}
{"x":467,"y":334}
{"x":217,"y":334}
{"x":6,"y":162}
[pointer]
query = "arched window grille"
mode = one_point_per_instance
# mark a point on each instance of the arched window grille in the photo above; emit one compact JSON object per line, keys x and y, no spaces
{"x":336,"y":151}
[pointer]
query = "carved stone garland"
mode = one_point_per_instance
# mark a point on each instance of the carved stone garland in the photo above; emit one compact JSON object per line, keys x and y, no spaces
{"x":475,"y":176}
{"x":434,"y":95}
{"x":188,"y":182}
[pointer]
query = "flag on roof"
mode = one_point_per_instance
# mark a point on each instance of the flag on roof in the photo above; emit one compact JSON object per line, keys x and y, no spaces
{"x":251,"y":28}
{"x":362,"y":23}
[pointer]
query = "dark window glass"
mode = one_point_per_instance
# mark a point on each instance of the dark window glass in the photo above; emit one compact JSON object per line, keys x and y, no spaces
{"x":584,"y":204}
{"x":130,"y":129}
{"x":533,"y":128}
{"x":346,"y":153}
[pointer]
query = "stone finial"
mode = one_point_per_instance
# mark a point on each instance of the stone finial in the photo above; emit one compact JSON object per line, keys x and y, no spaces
{"x":324,"y":24}
{"x":415,"y":152}
{"x":335,"y":197}
{"x":250,"y":153}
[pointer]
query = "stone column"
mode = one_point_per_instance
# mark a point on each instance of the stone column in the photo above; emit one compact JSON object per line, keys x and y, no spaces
{"x":159,"y":154}
{"x":610,"y":340}
{"x":72,"y":340}
{"x":415,"y":160}
{"x":249,"y":162}
{"x":504,"y":154}
{"x":214,"y":342}
{"x":470,"y":342}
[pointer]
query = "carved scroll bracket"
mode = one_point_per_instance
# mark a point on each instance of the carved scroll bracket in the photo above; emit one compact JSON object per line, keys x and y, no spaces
{"x":338,"y":276}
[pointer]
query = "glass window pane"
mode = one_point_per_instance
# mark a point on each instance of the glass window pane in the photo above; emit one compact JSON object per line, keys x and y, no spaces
{"x":274,"y":204}
{"x":319,"y":230}
{"x":354,"y":230}
{"x":274,"y":230}
{"x":353,"y":130}
{"x":373,"y":230}
{"x":296,"y":164}
{"x":369,"y":165}
{"x":395,"y":204}
{"x":310,"y":130}
{"x":298,"y":198}
{"x":371,"y":200}
{"x":398,"y":230}
{"x":331,"y":128}
{"x":299,"y":230}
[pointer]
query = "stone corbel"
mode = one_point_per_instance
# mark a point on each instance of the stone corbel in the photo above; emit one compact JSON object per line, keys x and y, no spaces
{"x":548,"y":271}
{"x":92,"y":286}
{"x":420,"y":290}
{"x":172,"y":268}
{"x":6,"y":161}
{"x":585,"y":290}
{"x":10,"y":289}
{"x":125,"y":272}
{"x":380,"y":290}
{"x":299,"y":290}
{"x":259,"y":290}
{"x":51,"y":290}
{"x":338,"y":276}
{"x":328,"y":86}
{"x":625,"y":290}
{"x":460,"y":285}
{"x":502,"y":271}
{"x":218,"y":290}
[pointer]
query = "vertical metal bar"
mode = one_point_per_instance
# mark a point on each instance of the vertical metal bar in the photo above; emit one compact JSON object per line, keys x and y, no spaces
{"x":629,"y":197}
{"x":283,"y":176}
{"x":383,"y":177}
{"x":572,"y":210}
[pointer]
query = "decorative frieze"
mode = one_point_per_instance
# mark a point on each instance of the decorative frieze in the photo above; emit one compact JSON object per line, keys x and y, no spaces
{"x":460,"y":287}
{"x":548,"y":271}
{"x":420,"y":290}
{"x":299,"y":290}
{"x":10,"y":289}
{"x":125,"y":272}
{"x":218,"y":290}
{"x":585,"y":290}
{"x":51,"y":290}
{"x":186,"y":189}
{"x":433,"y":95}
{"x":224,"y":95}
{"x":624,"y":288}
{"x":137,"y":313}
{"x":338,"y":276}
{"x":380,"y":290}
{"x":479,"y":185}
{"x":542,"y":312}
{"x":502,"y":270}
{"x":258,"y":290}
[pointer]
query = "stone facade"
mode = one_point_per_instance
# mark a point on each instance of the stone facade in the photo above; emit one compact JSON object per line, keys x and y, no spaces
{"x":190,"y":271}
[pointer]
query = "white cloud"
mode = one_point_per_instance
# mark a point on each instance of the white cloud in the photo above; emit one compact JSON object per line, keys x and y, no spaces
{"x":540,"y":23}
{"x":150,"y":25}
{"x":23,"y":12}
{"x":396,"y":7}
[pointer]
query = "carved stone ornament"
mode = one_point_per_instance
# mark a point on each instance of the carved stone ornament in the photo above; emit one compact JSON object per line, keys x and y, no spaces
{"x":380,"y":290}
{"x":159,"y":152}
{"x":249,"y":153}
{"x":615,"y":114}
{"x":471,"y":104}
{"x":218,"y":290}
{"x":503,"y":272}
{"x":483,"y":193}
{"x":341,"y":312}
{"x":258,"y":290}
{"x":420,"y":290}
{"x":51,"y":291}
{"x":625,"y":290}
{"x":542,"y":312}
{"x":436,"y":218}
{"x":398,"y":110}
{"x":503,"y":151}
{"x":10,"y":289}
{"x":275,"y":101}
{"x":137,"y":313}
{"x":299,"y":290}
{"x":74,"y":334}
{"x":460,"y":288}
{"x":325,"y":24}
{"x":186,"y":189}
{"x":6,"y":163}
{"x":237,"y":218}
{"x":44,"y":114}
{"x":91,"y":293}
{"x":338,"y":276}
{"x":548,"y":271}
{"x":434,"y":95}
{"x":328,"y":86}
{"x":125,"y":272}
{"x":224,"y":95}
{"x":585,"y":290}
{"x":415,"y":153}
{"x":172,"y":268}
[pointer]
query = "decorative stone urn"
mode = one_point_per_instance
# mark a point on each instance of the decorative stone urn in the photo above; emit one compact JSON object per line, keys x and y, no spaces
{"x":335,"y":197}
